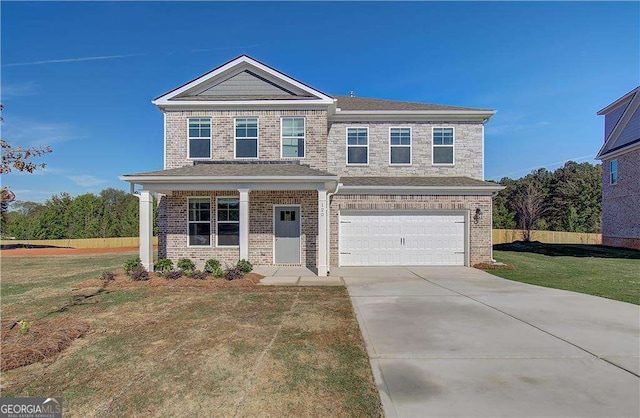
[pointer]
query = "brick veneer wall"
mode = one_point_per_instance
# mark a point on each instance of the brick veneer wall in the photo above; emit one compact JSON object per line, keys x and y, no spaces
{"x":172,"y":227}
{"x":621,"y":202}
{"x":480,"y":233}
{"x":268,"y":135}
{"x":468,"y":150}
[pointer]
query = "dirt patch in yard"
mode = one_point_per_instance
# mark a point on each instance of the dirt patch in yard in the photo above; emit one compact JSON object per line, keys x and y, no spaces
{"x":24,"y":343}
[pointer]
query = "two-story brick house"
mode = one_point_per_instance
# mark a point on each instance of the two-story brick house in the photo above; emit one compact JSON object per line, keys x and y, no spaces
{"x":260,"y":166}
{"x":620,"y":156}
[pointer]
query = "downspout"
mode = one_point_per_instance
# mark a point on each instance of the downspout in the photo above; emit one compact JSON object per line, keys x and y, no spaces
{"x":329,"y":196}
{"x":494,"y":194}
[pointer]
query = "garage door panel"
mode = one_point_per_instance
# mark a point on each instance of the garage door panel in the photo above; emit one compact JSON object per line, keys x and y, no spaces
{"x":401,"y":239}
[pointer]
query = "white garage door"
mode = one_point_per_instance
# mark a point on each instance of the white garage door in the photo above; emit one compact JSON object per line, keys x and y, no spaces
{"x":401,"y":239}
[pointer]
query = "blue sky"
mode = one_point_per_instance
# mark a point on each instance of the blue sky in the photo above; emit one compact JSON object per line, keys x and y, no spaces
{"x":80,"y":76}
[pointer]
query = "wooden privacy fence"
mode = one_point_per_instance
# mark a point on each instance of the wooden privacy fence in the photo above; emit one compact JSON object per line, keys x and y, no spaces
{"x":81,"y":243}
{"x":500,"y":236}
{"x":505,"y":236}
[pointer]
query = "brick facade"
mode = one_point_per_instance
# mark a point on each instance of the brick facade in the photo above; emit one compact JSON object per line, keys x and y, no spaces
{"x":468,"y":156}
{"x":222,"y":130}
{"x":172,"y":227}
{"x":480,"y":233}
{"x":621,"y":202}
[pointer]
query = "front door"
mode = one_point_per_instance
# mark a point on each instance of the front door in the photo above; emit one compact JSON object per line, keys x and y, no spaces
{"x":287,"y":235}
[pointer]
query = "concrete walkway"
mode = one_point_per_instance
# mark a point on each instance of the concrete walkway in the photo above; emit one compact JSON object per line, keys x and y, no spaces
{"x":294,"y":276}
{"x":460,"y":342}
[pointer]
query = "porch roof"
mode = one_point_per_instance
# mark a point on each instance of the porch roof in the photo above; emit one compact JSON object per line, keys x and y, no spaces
{"x":435,"y":185}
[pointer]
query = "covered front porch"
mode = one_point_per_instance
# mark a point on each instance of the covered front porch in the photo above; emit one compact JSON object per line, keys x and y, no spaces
{"x":269,"y":214}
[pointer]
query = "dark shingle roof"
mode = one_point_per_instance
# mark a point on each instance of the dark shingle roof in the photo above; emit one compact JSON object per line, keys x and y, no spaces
{"x":362,"y":103}
{"x":416,"y":182}
{"x":240,"y":168}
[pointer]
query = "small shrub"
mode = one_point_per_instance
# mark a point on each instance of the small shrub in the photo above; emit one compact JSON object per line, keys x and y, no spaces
{"x":173,"y":274}
{"x":24,"y":327}
{"x":107,"y":276}
{"x":199,"y":275}
{"x":132,"y":264}
{"x":211,"y":265}
{"x":218,"y":272}
{"x":233,"y":273}
{"x":163,"y":266}
{"x":140,"y":274}
{"x":185,"y":264}
{"x":245,"y":266}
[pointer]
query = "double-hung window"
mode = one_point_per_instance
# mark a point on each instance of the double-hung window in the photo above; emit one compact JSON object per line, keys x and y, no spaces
{"x":400,"y":146}
{"x":228,"y":222}
{"x":246,"y":140}
{"x":358,"y":146}
{"x":613,"y":165}
{"x":292,"y":137}
{"x":443,"y":139}
{"x":199,"y":137}
{"x":199,"y":221}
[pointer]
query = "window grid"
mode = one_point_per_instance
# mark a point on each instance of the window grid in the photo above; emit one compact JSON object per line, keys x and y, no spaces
{"x":399,"y":143}
{"x":613,"y":165}
{"x":443,"y":146}
{"x":246,"y":135}
{"x":357,"y":139}
{"x":199,"y":221}
{"x":292,"y":135}
{"x":228,"y":221}
{"x":199,"y":137}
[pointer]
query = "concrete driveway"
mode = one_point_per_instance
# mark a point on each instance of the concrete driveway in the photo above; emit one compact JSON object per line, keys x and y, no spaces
{"x":456,"y":341}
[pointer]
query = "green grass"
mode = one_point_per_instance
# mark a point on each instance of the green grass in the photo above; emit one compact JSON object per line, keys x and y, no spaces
{"x":192,"y":352}
{"x":593,"y":269}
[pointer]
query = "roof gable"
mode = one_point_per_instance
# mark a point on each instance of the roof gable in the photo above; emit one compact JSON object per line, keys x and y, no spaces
{"x":243,"y":80}
{"x":627,"y":129}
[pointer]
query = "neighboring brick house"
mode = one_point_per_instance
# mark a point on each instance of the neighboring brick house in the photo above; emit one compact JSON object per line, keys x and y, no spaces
{"x":620,"y":156}
{"x":260,"y":166}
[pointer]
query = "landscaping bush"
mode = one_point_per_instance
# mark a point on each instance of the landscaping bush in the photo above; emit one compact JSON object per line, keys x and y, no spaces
{"x":140,"y":274}
{"x":211,"y":265}
{"x":245,"y":266}
{"x":197,"y":274}
{"x":107,"y":276}
{"x":132,"y":264}
{"x":185,"y":264}
{"x":173,"y":274}
{"x":163,"y":266}
{"x":218,"y":272}
{"x":233,"y":273}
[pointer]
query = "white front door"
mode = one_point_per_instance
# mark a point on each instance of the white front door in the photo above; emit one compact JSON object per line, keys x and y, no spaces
{"x":402,"y":238}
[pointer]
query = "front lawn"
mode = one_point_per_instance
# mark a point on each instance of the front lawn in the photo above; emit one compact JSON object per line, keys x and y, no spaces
{"x":594,"y":269}
{"x":155,"y":351}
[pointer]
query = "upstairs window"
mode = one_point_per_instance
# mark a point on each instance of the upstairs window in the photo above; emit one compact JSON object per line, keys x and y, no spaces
{"x":400,"y":146}
{"x":613,"y":165}
{"x":246,"y":140}
{"x":292,"y":137}
{"x":199,"y":221}
{"x":357,"y":146}
{"x":199,"y":138}
{"x":443,"y":140}
{"x":228,"y":222}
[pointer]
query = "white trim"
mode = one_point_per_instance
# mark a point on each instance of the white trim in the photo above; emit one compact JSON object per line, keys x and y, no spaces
{"x":618,"y":152}
{"x":273,"y":230}
{"x":235,"y":138}
{"x":200,"y":222}
{"x":420,"y":190}
{"x":145,"y":230}
{"x":244,"y":222}
{"x":618,"y":102}
{"x":322,"y":262}
{"x":615,"y":133}
{"x":164,"y":140}
{"x":482,"y":151}
{"x":304,"y":138}
{"x":611,"y":182}
{"x":227,"y":222}
{"x":410,"y":146}
{"x":411,"y":115}
{"x":433,"y":145}
{"x":189,"y":138}
{"x":242,"y":61}
{"x":346,"y":131}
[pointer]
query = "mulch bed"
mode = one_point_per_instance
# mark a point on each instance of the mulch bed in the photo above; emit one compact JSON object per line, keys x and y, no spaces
{"x":44,"y":338}
{"x":489,"y":266}
{"x":123,"y":281}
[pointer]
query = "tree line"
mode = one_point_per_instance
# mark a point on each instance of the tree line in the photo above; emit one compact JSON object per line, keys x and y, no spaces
{"x":111,"y":213}
{"x":567,"y":199}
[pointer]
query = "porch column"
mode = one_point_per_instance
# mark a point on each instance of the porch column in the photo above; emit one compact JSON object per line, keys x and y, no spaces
{"x":322,"y":233}
{"x":146,"y":229}
{"x":244,"y":224}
